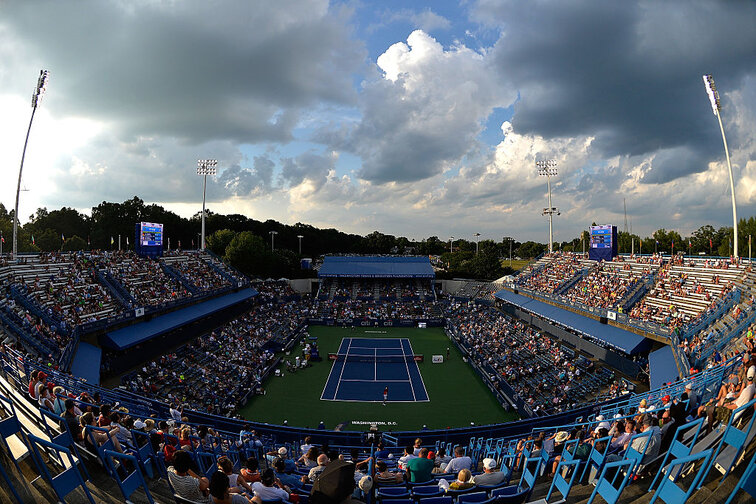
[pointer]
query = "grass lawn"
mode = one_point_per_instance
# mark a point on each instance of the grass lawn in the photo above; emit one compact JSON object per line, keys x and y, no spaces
{"x":517,"y":264}
{"x":457,"y":394}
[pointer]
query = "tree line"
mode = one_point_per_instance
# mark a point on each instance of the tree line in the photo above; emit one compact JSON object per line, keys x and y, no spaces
{"x":246,"y":243}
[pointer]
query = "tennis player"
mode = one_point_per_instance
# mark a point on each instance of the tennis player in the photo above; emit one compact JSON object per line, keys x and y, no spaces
{"x":385,"y":395}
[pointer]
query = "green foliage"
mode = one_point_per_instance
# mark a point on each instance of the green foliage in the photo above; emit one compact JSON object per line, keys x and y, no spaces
{"x":73,"y":244}
{"x":218,"y":241}
{"x":245,"y":252}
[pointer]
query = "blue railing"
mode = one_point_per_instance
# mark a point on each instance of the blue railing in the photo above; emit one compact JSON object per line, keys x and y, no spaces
{"x":15,"y":325}
{"x":179,"y":278}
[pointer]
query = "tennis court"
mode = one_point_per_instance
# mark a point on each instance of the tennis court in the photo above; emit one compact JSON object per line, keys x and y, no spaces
{"x":364,"y":367}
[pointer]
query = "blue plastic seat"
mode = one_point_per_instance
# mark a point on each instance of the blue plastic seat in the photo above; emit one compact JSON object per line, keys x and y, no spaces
{"x":397,"y":492}
{"x":89,"y":430}
{"x":678,"y":448}
{"x":9,"y":426}
{"x":436,"y":500}
{"x":733,"y":441}
{"x":668,"y":490}
{"x":64,"y":438}
{"x":596,"y":458}
{"x":133,"y":480}
{"x":611,"y":489}
{"x":64,"y":482}
{"x":472,"y":497}
{"x":560,"y":483}
{"x":747,"y":481}
{"x":422,"y":492}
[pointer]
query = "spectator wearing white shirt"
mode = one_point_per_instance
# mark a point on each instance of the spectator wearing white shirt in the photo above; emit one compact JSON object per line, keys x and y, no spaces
{"x":459,"y":462}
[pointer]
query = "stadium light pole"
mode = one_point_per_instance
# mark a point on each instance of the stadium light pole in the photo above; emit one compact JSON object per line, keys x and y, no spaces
{"x":451,"y":244}
{"x":510,"y":240}
{"x":548,"y":169}
{"x":205,"y":167}
{"x":273,"y":240}
{"x":476,"y":235}
{"x":711,"y":90}
{"x":36,"y":97}
{"x":299,"y":237}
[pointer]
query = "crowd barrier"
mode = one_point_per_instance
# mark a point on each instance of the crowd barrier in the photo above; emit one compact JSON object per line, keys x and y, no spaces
{"x":365,"y":322}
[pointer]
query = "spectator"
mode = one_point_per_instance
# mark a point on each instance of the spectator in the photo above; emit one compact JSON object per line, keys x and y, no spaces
{"x":185,"y":482}
{"x":287,"y":479}
{"x":385,"y":477}
{"x":220,"y":490}
{"x":490,"y":475}
{"x":235,"y":481}
{"x":251,"y":473}
{"x":269,"y":488}
{"x":420,"y":468}
{"x":409,"y":454}
{"x":314,"y":473}
{"x":463,"y":481}
{"x":459,"y":462}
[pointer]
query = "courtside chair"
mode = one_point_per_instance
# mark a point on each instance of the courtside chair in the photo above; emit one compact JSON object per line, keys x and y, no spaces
{"x":64,"y":438}
{"x":611,"y":489}
{"x":668,"y":490}
{"x":133,"y":479}
{"x":66,"y":481}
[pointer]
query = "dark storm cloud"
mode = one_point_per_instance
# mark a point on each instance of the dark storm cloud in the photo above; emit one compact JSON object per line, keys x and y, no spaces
{"x":193,"y":70}
{"x":628,"y":73}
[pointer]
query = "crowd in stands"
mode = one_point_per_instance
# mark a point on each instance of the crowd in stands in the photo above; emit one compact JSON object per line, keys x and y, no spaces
{"x":200,"y":274}
{"x":552,"y":272}
{"x":274,"y":289}
{"x":540,"y":370}
{"x":66,"y":287}
{"x":602,"y":288}
{"x":386,"y":310}
{"x":143,"y":278}
{"x":215,"y":373}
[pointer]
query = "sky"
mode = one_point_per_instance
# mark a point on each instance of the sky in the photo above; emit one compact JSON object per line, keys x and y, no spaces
{"x":407,"y":117}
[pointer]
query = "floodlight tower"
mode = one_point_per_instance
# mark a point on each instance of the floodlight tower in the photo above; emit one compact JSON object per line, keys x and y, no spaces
{"x":36,"y":97}
{"x":548,"y":168}
{"x":451,"y":244}
{"x":476,"y":235}
{"x":273,"y":240}
{"x":205,"y":167}
{"x":299,"y":237}
{"x":711,"y":90}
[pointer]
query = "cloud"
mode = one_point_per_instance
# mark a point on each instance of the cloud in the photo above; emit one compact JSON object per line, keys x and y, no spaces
{"x":627,"y":73}
{"x":193,"y":70}
{"x":422,"y":115}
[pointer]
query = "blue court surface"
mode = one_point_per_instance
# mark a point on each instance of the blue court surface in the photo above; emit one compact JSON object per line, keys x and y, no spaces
{"x":368,"y":365}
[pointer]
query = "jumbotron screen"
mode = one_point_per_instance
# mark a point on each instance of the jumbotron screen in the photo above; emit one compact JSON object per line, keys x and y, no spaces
{"x":601,"y":237}
{"x":151,"y":234}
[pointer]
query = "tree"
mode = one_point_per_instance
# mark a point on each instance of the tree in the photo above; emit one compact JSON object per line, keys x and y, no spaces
{"x":74,"y":243}
{"x":244,"y":252}
{"x":218,"y":241}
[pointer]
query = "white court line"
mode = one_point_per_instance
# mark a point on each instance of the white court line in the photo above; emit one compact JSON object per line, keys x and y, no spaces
{"x":372,"y":381}
{"x":422,"y":382}
{"x":328,"y":380}
{"x":336,"y":394}
{"x":409,"y":376}
{"x":375,"y":365}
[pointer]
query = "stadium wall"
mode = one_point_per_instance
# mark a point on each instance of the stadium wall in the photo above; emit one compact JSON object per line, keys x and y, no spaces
{"x":358,"y":322}
{"x":613,"y":359}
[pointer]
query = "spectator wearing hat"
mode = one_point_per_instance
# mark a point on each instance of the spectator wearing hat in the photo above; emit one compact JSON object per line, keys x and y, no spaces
{"x":72,"y":419}
{"x":41,"y":383}
{"x":692,"y":398}
{"x":420,"y":468}
{"x":490,"y":476}
{"x":281,"y":453}
{"x":560,"y":438}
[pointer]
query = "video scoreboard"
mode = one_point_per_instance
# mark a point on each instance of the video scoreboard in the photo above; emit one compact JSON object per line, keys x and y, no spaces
{"x":151,"y":234}
{"x":603,"y":243}
{"x":149,"y":239}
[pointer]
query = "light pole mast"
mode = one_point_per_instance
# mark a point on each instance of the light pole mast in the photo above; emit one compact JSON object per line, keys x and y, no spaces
{"x":300,"y":243}
{"x":273,"y":240}
{"x":548,"y":168}
{"x":477,"y":236}
{"x":205,"y":167}
{"x":711,"y":90}
{"x":36,"y":97}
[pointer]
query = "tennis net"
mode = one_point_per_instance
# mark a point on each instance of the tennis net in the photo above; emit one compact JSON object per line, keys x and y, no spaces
{"x":381,"y":359}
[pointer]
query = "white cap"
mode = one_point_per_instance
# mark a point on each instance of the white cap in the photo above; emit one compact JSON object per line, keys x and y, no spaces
{"x":489,"y":463}
{"x":366,"y":483}
{"x":282,"y":450}
{"x":617,"y":416}
{"x":600,"y":418}
{"x":751,"y":372}
{"x":139,"y":425}
{"x":688,"y":386}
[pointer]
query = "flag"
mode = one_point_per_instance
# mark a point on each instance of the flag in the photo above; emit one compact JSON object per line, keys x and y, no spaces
{"x":33,"y":240}
{"x":112,"y":241}
{"x":127,"y":241}
{"x":710,"y":244}
{"x":690,"y":244}
{"x":2,"y":239}
{"x":88,"y":243}
{"x":62,"y":237}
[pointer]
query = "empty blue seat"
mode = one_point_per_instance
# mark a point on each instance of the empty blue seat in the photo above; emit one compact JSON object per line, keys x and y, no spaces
{"x":66,"y":481}
{"x":133,"y":480}
{"x":472,"y":497}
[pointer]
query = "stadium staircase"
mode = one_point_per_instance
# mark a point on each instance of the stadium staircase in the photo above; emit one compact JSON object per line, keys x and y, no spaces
{"x":165,"y":266}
